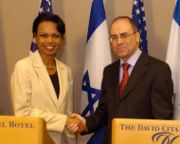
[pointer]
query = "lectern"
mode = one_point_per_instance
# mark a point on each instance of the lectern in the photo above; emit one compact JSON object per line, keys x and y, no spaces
{"x":142,"y":131}
{"x":23,"y":130}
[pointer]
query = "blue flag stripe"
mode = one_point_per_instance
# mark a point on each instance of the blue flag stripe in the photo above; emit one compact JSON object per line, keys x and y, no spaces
{"x":97,"y":16}
{"x":176,"y":15}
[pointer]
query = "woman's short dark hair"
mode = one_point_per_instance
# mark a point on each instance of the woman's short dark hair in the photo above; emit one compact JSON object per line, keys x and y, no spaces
{"x":49,"y":17}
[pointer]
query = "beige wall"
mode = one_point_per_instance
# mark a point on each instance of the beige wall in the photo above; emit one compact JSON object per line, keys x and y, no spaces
{"x":16,"y":18}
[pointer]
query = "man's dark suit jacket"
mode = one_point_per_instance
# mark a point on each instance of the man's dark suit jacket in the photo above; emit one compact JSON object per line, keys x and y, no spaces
{"x":147,"y":95}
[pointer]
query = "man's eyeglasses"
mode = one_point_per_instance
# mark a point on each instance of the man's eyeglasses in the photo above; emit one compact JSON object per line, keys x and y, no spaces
{"x":123,"y":36}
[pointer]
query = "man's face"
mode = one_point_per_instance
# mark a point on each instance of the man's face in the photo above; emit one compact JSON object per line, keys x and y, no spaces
{"x":124,"y":39}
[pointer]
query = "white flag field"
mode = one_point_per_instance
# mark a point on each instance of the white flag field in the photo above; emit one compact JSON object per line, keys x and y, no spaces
{"x":173,"y":56}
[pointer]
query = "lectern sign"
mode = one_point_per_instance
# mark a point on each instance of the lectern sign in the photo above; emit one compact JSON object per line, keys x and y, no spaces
{"x":23,"y":130}
{"x":15,"y":124}
{"x":138,"y":131}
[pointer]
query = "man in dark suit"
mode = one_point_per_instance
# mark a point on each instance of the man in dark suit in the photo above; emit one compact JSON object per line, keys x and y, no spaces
{"x":147,"y":94}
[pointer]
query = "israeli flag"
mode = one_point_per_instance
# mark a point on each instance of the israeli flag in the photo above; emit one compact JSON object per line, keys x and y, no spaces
{"x":97,"y":56}
{"x":173,"y":56}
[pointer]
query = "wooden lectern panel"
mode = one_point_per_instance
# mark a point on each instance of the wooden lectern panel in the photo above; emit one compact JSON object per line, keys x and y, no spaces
{"x":23,"y":130}
{"x":143,"y":131}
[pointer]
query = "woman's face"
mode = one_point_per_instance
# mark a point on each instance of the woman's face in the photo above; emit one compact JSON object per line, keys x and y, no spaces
{"x":47,"y":38}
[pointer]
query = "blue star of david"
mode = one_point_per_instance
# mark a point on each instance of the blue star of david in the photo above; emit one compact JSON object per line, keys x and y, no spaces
{"x":92,"y":93}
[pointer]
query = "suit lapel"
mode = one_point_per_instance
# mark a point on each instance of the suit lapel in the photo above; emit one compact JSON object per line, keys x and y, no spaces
{"x":115,"y":81}
{"x":62,"y":81}
{"x":44,"y":77}
{"x":138,"y":71}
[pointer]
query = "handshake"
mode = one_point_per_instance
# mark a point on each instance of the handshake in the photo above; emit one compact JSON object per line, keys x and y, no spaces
{"x":75,"y":124}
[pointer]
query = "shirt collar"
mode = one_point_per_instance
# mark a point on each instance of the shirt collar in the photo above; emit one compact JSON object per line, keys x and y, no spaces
{"x":133,"y":59}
